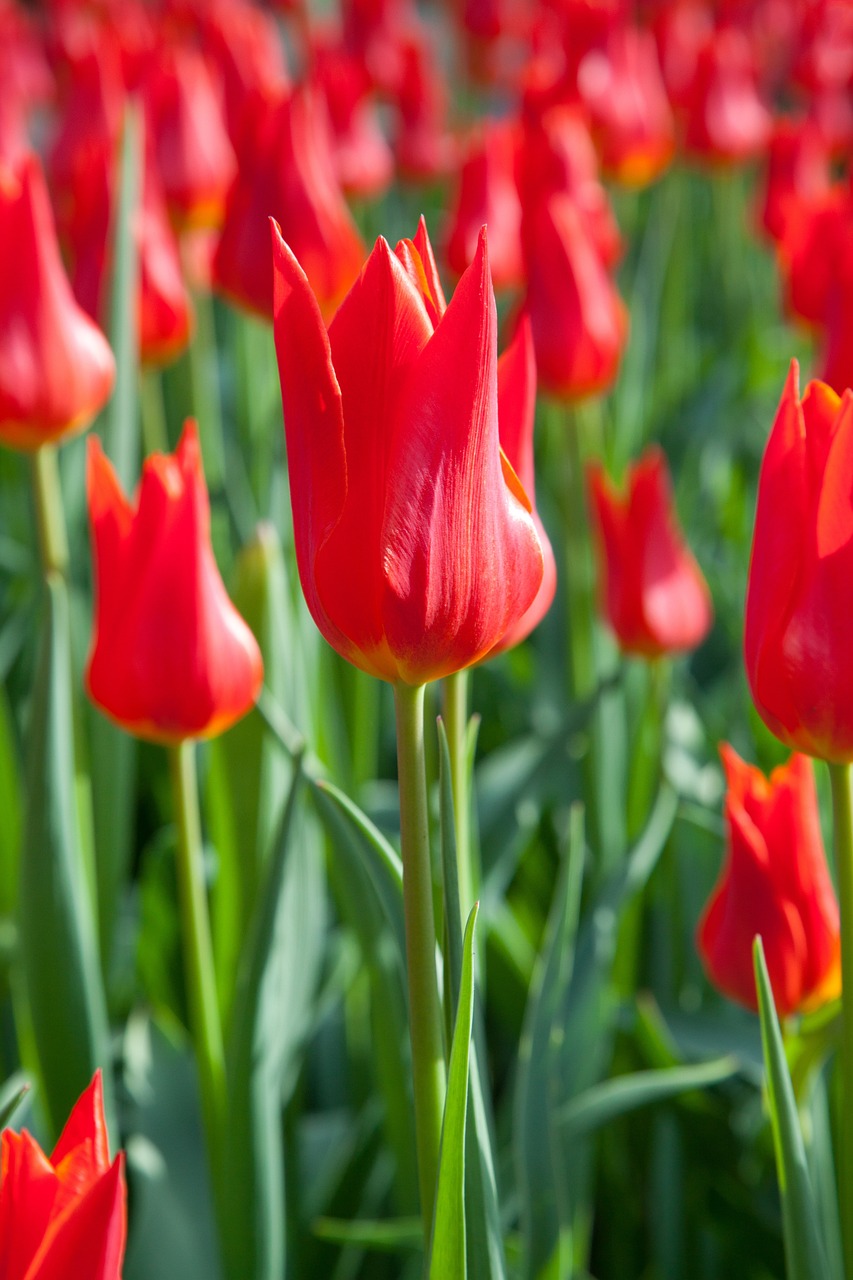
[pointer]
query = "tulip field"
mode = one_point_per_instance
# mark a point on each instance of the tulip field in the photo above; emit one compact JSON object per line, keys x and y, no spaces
{"x":426,"y":589}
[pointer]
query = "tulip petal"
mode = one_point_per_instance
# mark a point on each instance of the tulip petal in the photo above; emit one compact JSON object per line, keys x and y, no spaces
{"x":313,"y":423}
{"x":28,"y":1190}
{"x":88,"y":1239}
{"x":462,"y":560}
{"x":376,"y":338}
{"x":83,"y":1148}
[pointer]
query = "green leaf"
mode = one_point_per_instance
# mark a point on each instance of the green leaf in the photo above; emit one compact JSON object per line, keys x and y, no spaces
{"x":606,"y":1102}
{"x":447,"y":1259}
{"x":356,"y":836}
{"x":485,"y":1251}
{"x":390,"y":1236}
{"x":11,"y":1096}
{"x":10,"y":810}
{"x":59,"y":945}
{"x":804,"y":1250}
{"x":276,"y":984}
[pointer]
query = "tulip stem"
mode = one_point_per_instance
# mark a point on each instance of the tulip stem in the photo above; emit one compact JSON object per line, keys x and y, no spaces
{"x":455,"y":710}
{"x":842,"y":822}
{"x":428,"y":1069}
{"x":50,"y":514}
{"x":205,"y":1025}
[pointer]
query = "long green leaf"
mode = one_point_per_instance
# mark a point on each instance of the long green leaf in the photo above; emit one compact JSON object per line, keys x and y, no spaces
{"x":804,"y":1250}
{"x":10,"y":810}
{"x":447,"y":1260}
{"x":59,"y":945}
{"x":606,"y":1102}
{"x":11,"y":1096}
{"x":485,"y":1252}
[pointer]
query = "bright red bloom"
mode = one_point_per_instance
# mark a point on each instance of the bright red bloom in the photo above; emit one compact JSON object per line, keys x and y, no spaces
{"x":517,"y":416}
{"x":488,"y":195}
{"x":652,"y":590}
{"x":415,"y":544}
{"x":797,"y":632}
{"x":362,"y":158}
{"x":775,"y":883}
{"x":287,"y":171}
{"x":171,"y":658}
{"x":63,"y":1216}
{"x":622,"y":88}
{"x":423,"y":145}
{"x":816,"y":234}
{"x":727,"y":121}
{"x":798,"y":174}
{"x":579,"y":321}
{"x":184,"y":112}
{"x":56,"y":367}
{"x":243,"y":42}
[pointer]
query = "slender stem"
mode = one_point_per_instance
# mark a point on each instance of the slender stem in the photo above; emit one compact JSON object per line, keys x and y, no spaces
{"x":428,"y":1069}
{"x":50,"y":513}
{"x":842,"y":818}
{"x":455,"y":708}
{"x":578,"y":567}
{"x":155,"y":435}
{"x":198,"y":952}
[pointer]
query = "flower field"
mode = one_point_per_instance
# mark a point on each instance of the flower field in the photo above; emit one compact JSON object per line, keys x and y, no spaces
{"x":426,"y":547}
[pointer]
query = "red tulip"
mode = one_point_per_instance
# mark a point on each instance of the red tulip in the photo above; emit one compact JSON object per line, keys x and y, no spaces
{"x":797,"y":631}
{"x":184,"y":113}
{"x":56,"y":368}
{"x":727,"y":122}
{"x":517,"y":415}
{"x":816,"y":232}
{"x":243,"y":42}
{"x":63,"y":1216}
{"x":415,"y":545}
{"x":798,"y":174}
{"x":287,"y":171}
{"x":579,"y":322}
{"x":363,"y":161}
{"x":653,"y":592}
{"x":488,"y":195}
{"x":775,"y":883}
{"x":622,"y":88}
{"x":171,"y":658}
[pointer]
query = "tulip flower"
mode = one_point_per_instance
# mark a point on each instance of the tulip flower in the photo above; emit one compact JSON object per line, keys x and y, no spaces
{"x":797,"y":627}
{"x":622,"y":88}
{"x":727,"y":121}
{"x":414,"y":539}
{"x":579,"y":322}
{"x":517,"y":414}
{"x":363,"y":160}
{"x":816,"y":233}
{"x":798,"y":173}
{"x":64,"y":1215}
{"x":287,"y":171}
{"x":652,"y":590}
{"x":171,"y":658}
{"x":488,"y":195}
{"x":56,"y":367}
{"x":775,"y":882}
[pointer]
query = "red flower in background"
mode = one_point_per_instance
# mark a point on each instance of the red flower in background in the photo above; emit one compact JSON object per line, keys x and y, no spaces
{"x":622,"y":88}
{"x":171,"y":658}
{"x":415,"y":544}
{"x":56,"y":367}
{"x":797,"y":627}
{"x":487,"y":195}
{"x":798,"y":175}
{"x":516,"y":417}
{"x":579,"y":321}
{"x":726,"y":120}
{"x":63,"y":1216}
{"x":287,"y":171}
{"x":774,"y":883}
{"x":363,"y":161}
{"x":652,"y":590}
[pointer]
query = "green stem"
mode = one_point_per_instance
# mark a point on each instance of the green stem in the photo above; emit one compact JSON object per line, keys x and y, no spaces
{"x":455,"y":710}
{"x":50,"y":513}
{"x":198,"y":952}
{"x":155,"y":435}
{"x":207,"y":406}
{"x":428,"y":1069}
{"x":842,"y":817}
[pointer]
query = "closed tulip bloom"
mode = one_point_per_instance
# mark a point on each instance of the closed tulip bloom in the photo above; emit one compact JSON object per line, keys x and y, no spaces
{"x":653,"y":593}
{"x":56,"y":367}
{"x":287,"y":171}
{"x":579,"y":321}
{"x":171,"y":658}
{"x":774,"y":883}
{"x":797,"y":628}
{"x":517,"y":415}
{"x":415,"y":544}
{"x":488,"y":195}
{"x":798,"y":173}
{"x":727,"y":121}
{"x":64,"y":1215}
